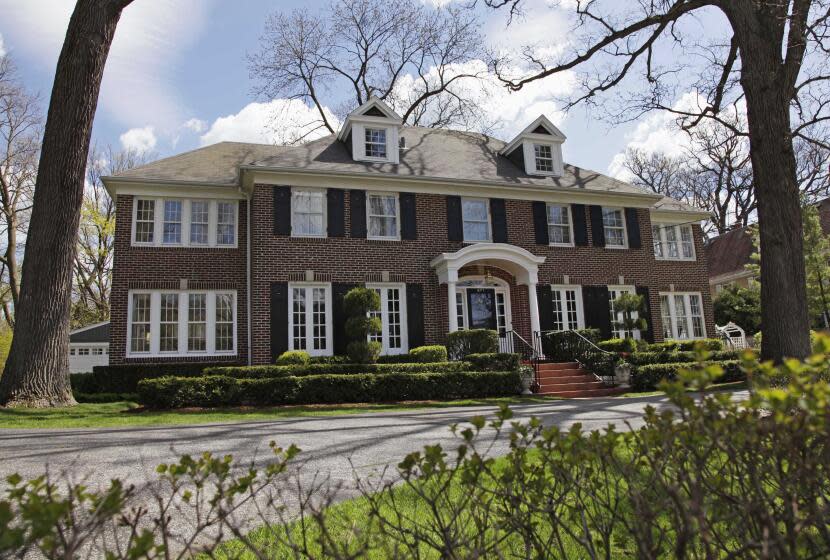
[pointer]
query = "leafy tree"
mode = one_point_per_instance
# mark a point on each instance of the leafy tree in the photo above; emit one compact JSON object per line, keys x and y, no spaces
{"x":771,"y":59}
{"x":37,"y":370}
{"x":741,"y":306}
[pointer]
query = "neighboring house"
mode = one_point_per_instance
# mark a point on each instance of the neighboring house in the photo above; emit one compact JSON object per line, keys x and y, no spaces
{"x":727,"y":256}
{"x":237,"y":252}
{"x":88,"y":347}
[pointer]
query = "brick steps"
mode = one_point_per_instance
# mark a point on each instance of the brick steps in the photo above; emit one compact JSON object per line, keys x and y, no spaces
{"x":569,"y":380}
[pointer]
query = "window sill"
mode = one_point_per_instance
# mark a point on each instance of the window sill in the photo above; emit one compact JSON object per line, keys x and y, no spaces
{"x":182,"y":246}
{"x":309,"y":236}
{"x":181,"y":355}
{"x":383,"y":238}
{"x":564,"y":245}
{"x":669,"y":259}
{"x":616,"y":247}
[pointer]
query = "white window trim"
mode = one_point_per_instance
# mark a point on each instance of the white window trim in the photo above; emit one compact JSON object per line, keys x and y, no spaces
{"x":567,"y":208}
{"x":397,"y":236}
{"x":309,"y":333}
{"x":537,"y":158}
{"x":688,"y":311}
{"x":158,"y":225}
{"x":580,"y":312}
{"x":624,"y":228}
{"x":529,"y":150}
{"x":384,"y":313}
{"x":155,"y":330}
{"x":628,"y":289}
{"x":661,"y":227}
{"x":325,"y":212}
{"x":486,"y":202}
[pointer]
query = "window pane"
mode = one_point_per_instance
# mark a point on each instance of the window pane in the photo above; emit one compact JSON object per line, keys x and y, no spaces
{"x":612,"y":220}
{"x":658,"y":242}
{"x":475,"y":231}
{"x":307,"y":218}
{"x":224,"y":323}
{"x":544,"y":159}
{"x":696,"y":311}
{"x":377,"y":337}
{"x":298,"y":318}
{"x":318,"y":316}
{"x":140,"y":328}
{"x":687,"y":242}
{"x":145,"y":220}
{"x":681,"y":317}
{"x":169,"y":323}
{"x":376,"y":142}
{"x":197,"y":322}
{"x":199,"y":210}
{"x":393,"y":319}
{"x":459,"y":309}
{"x":172,"y":221}
{"x":383,"y":216}
{"x":671,"y":242}
{"x":474,"y":210}
{"x":558,"y":317}
{"x":572,"y":315}
{"x":226,"y":223}
{"x":665,"y":315}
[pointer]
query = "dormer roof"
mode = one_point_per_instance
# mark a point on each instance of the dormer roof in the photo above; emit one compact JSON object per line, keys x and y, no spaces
{"x":374,"y":110}
{"x":542,"y":130}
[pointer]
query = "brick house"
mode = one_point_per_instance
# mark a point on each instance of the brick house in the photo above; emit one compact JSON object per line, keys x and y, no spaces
{"x":237,"y":252}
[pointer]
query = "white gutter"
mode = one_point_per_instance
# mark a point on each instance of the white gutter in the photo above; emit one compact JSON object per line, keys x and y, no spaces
{"x":248,"y":275}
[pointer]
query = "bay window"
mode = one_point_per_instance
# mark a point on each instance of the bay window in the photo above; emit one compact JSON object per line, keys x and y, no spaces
{"x":392,"y":315}
{"x":673,"y":242}
{"x":181,"y":323}
{"x":613,"y":224}
{"x":309,"y":318}
{"x":382,"y":216}
{"x":475,"y":214}
{"x":567,"y":307}
{"x":682,"y":315}
{"x":559,"y":225}
{"x":184,"y":222}
{"x":308,"y":212}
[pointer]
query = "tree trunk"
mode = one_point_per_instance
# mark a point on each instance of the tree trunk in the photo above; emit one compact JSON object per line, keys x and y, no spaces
{"x":784,"y":309}
{"x":37,"y":369}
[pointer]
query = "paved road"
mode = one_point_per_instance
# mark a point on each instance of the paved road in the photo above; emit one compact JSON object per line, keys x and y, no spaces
{"x":369,"y":441}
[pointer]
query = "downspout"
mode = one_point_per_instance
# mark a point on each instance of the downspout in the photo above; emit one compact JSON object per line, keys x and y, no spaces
{"x":249,"y":198}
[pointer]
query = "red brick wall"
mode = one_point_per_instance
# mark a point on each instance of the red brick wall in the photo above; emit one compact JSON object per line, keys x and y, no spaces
{"x":164,"y":267}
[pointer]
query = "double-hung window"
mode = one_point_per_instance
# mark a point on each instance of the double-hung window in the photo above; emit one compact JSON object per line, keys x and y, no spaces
{"x":375,"y":143}
{"x":682,"y":315}
{"x":559,"y":225}
{"x":382,"y":216}
{"x":618,"y":330}
{"x":226,"y":223}
{"x":172,"y":222}
{"x":613,"y":224}
{"x":185,"y":222}
{"x":199,"y":222}
{"x":673,"y":242}
{"x":308,"y":211}
{"x":145,"y":221}
{"x":392,"y":314}
{"x":181,"y":323}
{"x":309,"y":318}
{"x":567,"y":307}
{"x":475,"y":213}
{"x":544,"y":157}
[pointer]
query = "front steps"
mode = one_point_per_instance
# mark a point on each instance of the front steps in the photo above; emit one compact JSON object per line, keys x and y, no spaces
{"x":569,"y":380}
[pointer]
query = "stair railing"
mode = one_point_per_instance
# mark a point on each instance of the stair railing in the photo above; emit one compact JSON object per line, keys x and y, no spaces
{"x":573,"y":346}
{"x":512,"y":342}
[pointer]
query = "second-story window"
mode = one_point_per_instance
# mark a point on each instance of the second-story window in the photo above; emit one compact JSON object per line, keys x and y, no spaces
{"x":559,"y":225}
{"x":613,"y":224}
{"x":475,"y":213}
{"x":376,"y":142}
{"x":172,"y":222}
{"x":382,"y":214}
{"x":226,"y":223}
{"x":307,"y":213}
{"x":544,"y":158}
{"x":199,"y":217}
{"x":184,"y":222}
{"x":145,"y":221}
{"x":673,"y":242}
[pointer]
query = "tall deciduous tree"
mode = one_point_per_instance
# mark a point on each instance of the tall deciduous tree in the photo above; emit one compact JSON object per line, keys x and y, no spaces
{"x":20,"y":133}
{"x":37,"y":370}
{"x":96,"y":236}
{"x":772,"y":57}
{"x":413,"y":56}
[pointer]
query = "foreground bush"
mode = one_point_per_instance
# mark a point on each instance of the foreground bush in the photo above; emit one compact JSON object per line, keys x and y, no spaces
{"x":648,"y":377}
{"x":215,"y":390}
{"x":427,"y":354}
{"x":124,"y":378}
{"x":336,"y":369}
{"x":293,"y":357}
{"x":460,"y":344}
{"x":708,"y":477}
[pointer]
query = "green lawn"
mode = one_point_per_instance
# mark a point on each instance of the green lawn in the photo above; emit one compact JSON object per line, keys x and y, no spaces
{"x":129,"y":414}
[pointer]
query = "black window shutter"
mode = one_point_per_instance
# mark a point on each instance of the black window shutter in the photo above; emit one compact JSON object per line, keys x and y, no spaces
{"x":357,"y":206}
{"x":540,"y":223}
{"x":545,"y":300}
{"x":643,"y":292}
{"x":498,"y":215}
{"x":455,"y":229}
{"x":415,"y":315}
{"x":338,"y":316}
{"x":279,"y":319}
{"x":632,"y":224}
{"x":597,"y":229}
{"x":409,"y":216}
{"x":282,"y":210}
{"x":580,"y":225}
{"x":597,"y":311}
{"x":336,"y":213}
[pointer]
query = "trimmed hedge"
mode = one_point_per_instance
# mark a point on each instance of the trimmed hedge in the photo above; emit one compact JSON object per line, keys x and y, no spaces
{"x":619,"y":345}
{"x":429,"y":354}
{"x":460,"y":344}
{"x":124,"y":378}
{"x":646,"y":377}
{"x":494,"y":362}
{"x":645,"y":358}
{"x":98,"y":398}
{"x":711,"y":344}
{"x":258,"y":372}
{"x":293,"y":357}
{"x":217,"y":390}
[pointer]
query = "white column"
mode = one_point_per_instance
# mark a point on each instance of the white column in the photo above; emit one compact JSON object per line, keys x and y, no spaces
{"x":535,"y":326}
{"x":451,"y":306}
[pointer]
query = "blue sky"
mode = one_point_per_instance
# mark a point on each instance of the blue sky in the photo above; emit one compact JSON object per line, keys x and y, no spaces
{"x":177,"y":76}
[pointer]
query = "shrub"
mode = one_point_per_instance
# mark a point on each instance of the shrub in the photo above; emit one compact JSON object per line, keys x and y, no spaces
{"x":97,"y":398}
{"x":647,"y":377}
{"x":558,"y":346}
{"x":293,"y":357}
{"x":358,"y":303}
{"x":124,"y":378}
{"x":474,"y":341}
{"x":396,"y":359}
{"x":336,"y":369}
{"x":329,"y":360}
{"x":645,"y":358}
{"x":217,"y":390}
{"x":494,"y":362}
{"x":619,"y":345}
{"x":711,"y":344}
{"x":429,"y":354}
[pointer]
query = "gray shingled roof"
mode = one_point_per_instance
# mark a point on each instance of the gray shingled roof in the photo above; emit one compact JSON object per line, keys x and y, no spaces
{"x":98,"y":333}
{"x":430,"y":153}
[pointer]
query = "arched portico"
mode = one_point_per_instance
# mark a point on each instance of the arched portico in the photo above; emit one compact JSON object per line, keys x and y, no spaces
{"x":522,"y":264}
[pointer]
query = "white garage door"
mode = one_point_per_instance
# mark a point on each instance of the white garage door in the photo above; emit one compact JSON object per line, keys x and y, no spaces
{"x":83,"y":357}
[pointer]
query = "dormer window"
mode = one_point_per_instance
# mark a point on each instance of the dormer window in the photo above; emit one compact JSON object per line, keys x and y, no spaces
{"x":544,"y":158}
{"x":376,"y":143}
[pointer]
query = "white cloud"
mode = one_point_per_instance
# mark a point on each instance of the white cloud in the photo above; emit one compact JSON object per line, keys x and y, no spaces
{"x":141,"y":68}
{"x":196,"y":125}
{"x":280,"y":121}
{"x":2,"y":46}
{"x":139,"y":139}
